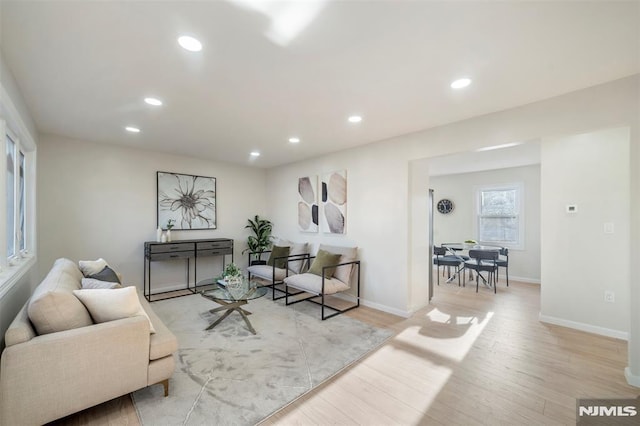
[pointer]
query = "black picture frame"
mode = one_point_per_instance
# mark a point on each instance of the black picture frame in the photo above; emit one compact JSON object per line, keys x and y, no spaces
{"x":188,"y":200}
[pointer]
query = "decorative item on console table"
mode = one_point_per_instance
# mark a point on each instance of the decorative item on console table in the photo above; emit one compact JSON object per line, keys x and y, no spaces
{"x":170,"y":224}
{"x":260,"y":241}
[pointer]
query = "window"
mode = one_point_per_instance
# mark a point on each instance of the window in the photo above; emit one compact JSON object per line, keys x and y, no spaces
{"x":499,"y":216}
{"x":17,"y":200}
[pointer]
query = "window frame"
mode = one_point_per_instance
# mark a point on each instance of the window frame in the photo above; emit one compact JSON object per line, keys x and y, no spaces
{"x":518,"y":187}
{"x":13,"y":268}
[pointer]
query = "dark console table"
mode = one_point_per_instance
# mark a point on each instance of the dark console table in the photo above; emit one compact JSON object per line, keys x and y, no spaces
{"x":187,"y":250}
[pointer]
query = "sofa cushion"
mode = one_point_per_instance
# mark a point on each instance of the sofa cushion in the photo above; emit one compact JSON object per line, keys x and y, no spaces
{"x":312,"y":283}
{"x":163,"y":343}
{"x":90,"y":267}
{"x":53,"y":306}
{"x":112,"y":304}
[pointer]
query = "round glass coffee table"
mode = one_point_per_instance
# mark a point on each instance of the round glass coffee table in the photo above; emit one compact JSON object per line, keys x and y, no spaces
{"x":232,"y":298}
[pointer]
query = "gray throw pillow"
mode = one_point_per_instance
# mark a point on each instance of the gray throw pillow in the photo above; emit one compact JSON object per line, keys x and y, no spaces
{"x":107,"y":274}
{"x":91,"y":283}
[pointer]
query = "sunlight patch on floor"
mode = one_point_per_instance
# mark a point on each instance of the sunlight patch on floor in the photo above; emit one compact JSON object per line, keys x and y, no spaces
{"x":448,"y":336}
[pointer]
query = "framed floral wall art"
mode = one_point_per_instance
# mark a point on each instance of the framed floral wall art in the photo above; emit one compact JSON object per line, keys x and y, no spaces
{"x":188,"y":200}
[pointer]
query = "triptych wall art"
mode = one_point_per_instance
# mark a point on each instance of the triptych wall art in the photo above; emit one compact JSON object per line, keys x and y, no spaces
{"x":330,"y":214}
{"x":189,"y":201}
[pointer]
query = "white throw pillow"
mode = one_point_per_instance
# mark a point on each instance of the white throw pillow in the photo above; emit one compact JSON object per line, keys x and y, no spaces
{"x":112,"y":304}
{"x":91,"y":267}
{"x":92,"y":283}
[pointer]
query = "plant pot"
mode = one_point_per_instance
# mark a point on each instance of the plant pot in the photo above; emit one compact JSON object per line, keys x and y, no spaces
{"x":258,"y":262}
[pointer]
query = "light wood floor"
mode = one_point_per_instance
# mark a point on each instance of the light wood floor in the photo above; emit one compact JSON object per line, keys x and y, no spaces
{"x":466,"y":359}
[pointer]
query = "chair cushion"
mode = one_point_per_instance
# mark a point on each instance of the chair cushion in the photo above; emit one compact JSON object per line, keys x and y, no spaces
{"x":323,"y":259}
{"x":348,"y":254}
{"x":266,"y":272}
{"x":446,"y":261}
{"x":483,"y":266}
{"x":297,"y":249}
{"x":312,"y":283}
{"x":278,"y":251}
{"x":53,"y":306}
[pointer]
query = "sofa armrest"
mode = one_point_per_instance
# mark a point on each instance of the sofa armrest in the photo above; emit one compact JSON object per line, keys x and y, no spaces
{"x":57,"y":374}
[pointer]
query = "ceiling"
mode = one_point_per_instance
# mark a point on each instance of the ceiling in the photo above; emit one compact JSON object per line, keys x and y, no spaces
{"x":263,"y":76}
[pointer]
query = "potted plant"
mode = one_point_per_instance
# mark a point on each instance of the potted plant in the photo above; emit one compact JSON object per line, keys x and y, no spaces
{"x":260,"y":241}
{"x":232,"y":275}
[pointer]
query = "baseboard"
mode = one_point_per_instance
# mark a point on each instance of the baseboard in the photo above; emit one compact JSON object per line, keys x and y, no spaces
{"x":523,"y":279}
{"x":616,"y":334}
{"x":373,"y":305}
{"x":384,"y":308}
{"x":632,"y":379}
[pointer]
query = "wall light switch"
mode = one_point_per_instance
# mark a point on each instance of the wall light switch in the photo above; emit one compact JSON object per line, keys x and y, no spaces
{"x":572,"y":208}
{"x":608,"y":228}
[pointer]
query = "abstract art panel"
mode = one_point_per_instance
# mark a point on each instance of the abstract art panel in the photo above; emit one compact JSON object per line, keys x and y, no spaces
{"x":334,"y":202}
{"x":189,"y":201}
{"x":308,"y":204}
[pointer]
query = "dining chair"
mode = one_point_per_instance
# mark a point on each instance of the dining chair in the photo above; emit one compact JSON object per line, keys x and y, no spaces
{"x":441,"y":258}
{"x":483,"y":261}
{"x":503,"y":262}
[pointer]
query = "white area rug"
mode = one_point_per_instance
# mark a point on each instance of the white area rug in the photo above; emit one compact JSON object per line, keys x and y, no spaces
{"x":228,"y":376}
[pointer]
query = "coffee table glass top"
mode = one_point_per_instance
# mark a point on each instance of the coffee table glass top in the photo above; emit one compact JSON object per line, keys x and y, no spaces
{"x":245,"y":290}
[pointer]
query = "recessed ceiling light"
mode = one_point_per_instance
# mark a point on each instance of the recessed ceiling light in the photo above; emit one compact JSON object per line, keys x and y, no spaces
{"x":355,"y":119}
{"x":189,"y":43}
{"x":294,"y":140}
{"x":132,"y":129}
{"x":153,"y":101}
{"x":255,"y":154}
{"x":461,"y":83}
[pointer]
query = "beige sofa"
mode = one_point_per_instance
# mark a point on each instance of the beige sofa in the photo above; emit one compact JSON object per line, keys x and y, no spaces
{"x":57,"y":361}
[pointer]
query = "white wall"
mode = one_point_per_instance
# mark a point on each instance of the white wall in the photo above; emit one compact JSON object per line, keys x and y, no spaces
{"x":579,"y":260}
{"x":99,"y":200}
{"x":376,"y":216}
{"x":459,"y":225}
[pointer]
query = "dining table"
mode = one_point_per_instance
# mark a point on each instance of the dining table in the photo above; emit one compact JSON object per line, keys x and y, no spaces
{"x":457,"y":250}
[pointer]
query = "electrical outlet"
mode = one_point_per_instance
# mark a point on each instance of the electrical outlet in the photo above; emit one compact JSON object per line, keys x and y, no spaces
{"x":609,"y":296}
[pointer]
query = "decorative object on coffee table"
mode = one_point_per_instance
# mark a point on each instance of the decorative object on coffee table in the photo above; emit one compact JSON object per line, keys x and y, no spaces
{"x":188,"y":200}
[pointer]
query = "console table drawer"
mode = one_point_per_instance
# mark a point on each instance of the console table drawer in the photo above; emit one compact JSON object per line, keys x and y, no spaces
{"x":213,"y":252}
{"x":171,"y":255}
{"x":226,"y":245}
{"x":171,"y":247}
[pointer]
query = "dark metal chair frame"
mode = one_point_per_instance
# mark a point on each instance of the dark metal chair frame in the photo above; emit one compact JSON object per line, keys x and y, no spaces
{"x":322,"y":294}
{"x":484,"y":261}
{"x":304,"y":257}
{"x":503,"y":263}
{"x":442,"y":259}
